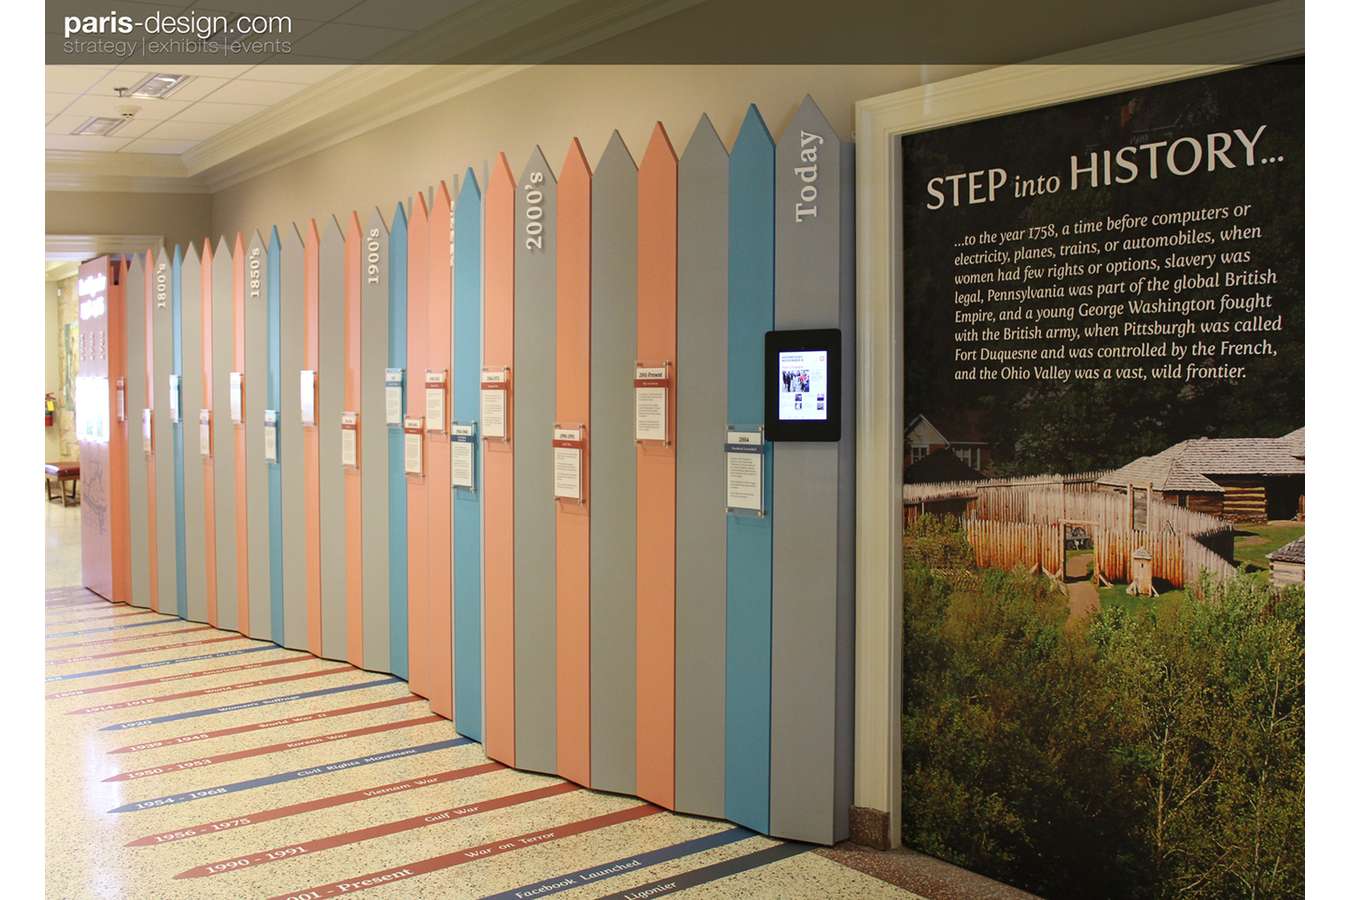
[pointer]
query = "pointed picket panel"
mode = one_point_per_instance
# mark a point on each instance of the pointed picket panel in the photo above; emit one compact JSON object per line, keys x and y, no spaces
{"x":136,"y":402}
{"x":257,"y":470}
{"x":613,"y":602}
{"x":438,"y":646}
{"x":119,"y":424}
{"x":419,"y":644}
{"x":397,"y":358}
{"x":159,"y":471}
{"x":377,"y":465}
{"x":313,"y":511}
{"x":700,"y":485}
{"x":499,"y":629}
{"x":177,"y":593}
{"x":419,"y":557}
{"x":236,"y":433}
{"x":223,"y":455}
{"x":332,"y":366}
{"x":208,"y":468}
{"x":534,"y":376}
{"x":572,"y":522}
{"x":468,"y":501}
{"x":353,"y":274}
{"x":749,"y":551}
{"x":658,"y":180}
{"x":276,"y":535}
{"x":193,"y":595}
{"x":294,"y":448}
{"x":811,"y":782}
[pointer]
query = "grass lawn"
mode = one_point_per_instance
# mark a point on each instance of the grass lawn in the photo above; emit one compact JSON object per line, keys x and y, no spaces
{"x":1251,"y":543}
{"x":1115,"y":595}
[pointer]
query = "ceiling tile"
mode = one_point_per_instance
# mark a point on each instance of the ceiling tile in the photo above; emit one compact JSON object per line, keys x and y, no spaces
{"x":222,"y":113}
{"x":73,"y":79}
{"x":85,"y":142}
{"x":57,"y":103}
{"x":150,"y":145}
{"x":296,"y":74}
{"x":65,"y":124}
{"x":222,"y":71}
{"x":153,"y":110}
{"x":195,"y":88}
{"x":257,"y":93}
{"x":177,"y":129}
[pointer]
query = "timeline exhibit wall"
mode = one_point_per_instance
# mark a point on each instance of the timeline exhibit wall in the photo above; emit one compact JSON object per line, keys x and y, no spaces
{"x":405,"y":438}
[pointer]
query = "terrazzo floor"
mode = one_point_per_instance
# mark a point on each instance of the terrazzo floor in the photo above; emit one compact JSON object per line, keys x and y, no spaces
{"x":219,"y":766}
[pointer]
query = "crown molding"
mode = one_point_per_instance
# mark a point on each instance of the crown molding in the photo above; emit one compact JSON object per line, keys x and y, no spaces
{"x":365,"y":97}
{"x":79,"y":247}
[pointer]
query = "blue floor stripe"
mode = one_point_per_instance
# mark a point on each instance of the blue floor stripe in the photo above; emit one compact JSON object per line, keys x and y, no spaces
{"x":250,"y":704}
{"x":624,"y":865}
{"x":714,"y":872}
{"x":159,"y":662}
{"x":56,"y":634}
{"x":251,"y":783}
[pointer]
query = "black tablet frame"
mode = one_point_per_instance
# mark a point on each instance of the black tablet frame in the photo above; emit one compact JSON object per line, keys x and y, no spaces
{"x":826,"y":430}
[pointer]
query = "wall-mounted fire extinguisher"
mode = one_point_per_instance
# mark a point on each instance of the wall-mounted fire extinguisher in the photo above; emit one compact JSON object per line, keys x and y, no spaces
{"x":51,"y":409}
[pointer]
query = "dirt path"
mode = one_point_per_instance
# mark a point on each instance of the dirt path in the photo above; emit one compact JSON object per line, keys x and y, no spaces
{"x":1083,"y":600}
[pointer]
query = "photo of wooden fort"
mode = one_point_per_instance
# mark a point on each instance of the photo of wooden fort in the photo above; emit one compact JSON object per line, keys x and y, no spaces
{"x":1147,"y":528}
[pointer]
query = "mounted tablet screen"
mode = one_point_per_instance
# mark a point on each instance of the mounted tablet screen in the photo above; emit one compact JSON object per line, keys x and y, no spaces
{"x":801,"y":385}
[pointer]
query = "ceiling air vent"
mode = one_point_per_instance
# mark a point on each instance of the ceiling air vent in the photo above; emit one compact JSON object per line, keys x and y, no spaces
{"x":99,"y":125}
{"x":157,"y":86}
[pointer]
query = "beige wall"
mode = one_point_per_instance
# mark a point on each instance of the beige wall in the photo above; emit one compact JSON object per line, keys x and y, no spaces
{"x":52,"y":365}
{"x":179,"y":218}
{"x":548,"y":106}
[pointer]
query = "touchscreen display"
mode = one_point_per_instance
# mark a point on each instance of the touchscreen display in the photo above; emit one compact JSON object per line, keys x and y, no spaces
{"x":801,"y":385}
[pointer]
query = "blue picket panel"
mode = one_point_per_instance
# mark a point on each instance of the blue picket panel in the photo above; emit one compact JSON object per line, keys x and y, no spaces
{"x":398,"y":484}
{"x":468,"y":507}
{"x":750,"y":278}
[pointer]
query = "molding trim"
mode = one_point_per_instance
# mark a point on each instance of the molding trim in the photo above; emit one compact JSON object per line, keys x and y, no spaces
{"x":1255,"y":35}
{"x":79,"y":247}
{"x":84,"y":170}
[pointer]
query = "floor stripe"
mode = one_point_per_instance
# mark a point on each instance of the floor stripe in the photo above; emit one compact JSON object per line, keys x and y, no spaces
{"x":254,"y":704}
{"x":713,"y":872}
{"x":162,"y":620}
{"x":100,"y":616}
{"x":129,"y":637}
{"x":263,"y":726}
{"x":159,"y":662}
{"x":295,"y":809}
{"x":266,"y":780}
{"x":204,"y":761}
{"x":132,"y":652}
{"x":496,"y":848}
{"x":624,"y":866}
{"x":177,"y":676}
{"x":77,"y":603}
{"x":376,"y":831}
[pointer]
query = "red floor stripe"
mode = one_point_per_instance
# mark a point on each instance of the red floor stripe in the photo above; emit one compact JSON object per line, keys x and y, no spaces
{"x":181,"y":676}
{"x":263,"y":726}
{"x":296,"y":744}
{"x":447,"y":860}
{"x":134,"y":651}
{"x":206,"y":692}
{"x":130,"y":637}
{"x":295,"y":809}
{"x":375,"y":831}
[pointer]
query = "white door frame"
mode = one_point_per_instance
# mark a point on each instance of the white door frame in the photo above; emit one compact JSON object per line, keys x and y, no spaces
{"x":1255,"y":35}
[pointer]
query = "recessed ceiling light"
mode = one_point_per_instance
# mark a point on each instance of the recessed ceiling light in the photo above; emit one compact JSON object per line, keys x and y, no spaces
{"x":157,"y":86}
{"x":99,"y":125}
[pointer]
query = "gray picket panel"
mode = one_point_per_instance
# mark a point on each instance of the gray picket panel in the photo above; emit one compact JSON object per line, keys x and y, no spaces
{"x":536,"y":341}
{"x":811,"y":778}
{"x":332,"y":492}
{"x":374,"y":450}
{"x":255,"y":466}
{"x":700,"y":496}
{"x":614,"y":464}
{"x":166,"y":549}
{"x":223,"y":467}
{"x":136,"y":400}
{"x":193,"y":401}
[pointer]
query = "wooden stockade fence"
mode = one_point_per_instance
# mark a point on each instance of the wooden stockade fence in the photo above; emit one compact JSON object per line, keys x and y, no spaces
{"x":1019,"y":524}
